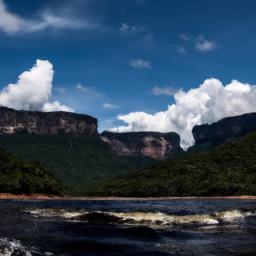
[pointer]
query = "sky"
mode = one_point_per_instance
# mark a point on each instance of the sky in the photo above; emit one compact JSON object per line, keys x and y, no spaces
{"x":134,"y":64}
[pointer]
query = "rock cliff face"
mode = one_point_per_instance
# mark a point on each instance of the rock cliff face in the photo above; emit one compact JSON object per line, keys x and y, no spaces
{"x":224,"y":130}
{"x":13,"y":121}
{"x":150,"y":144}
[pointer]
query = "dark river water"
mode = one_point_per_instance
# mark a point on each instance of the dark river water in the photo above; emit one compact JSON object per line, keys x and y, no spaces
{"x":159,"y":227}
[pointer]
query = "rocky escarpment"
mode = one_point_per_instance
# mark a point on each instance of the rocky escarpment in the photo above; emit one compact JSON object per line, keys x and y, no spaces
{"x":149,"y":144}
{"x":44,"y":123}
{"x":224,"y":130}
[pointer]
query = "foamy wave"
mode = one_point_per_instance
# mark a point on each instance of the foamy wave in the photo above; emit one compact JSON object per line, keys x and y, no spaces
{"x":165,"y":219}
{"x":149,"y":218}
{"x":9,"y":247}
{"x":51,"y":213}
{"x":234,"y":215}
{"x":199,"y":219}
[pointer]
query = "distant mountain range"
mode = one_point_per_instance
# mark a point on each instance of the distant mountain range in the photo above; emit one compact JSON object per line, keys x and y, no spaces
{"x":228,"y":169}
{"x":69,"y":146}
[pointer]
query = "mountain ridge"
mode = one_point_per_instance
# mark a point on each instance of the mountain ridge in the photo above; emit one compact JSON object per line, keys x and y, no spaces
{"x":208,"y":136}
{"x":226,"y":170}
{"x":82,"y":159}
{"x":153,"y":145}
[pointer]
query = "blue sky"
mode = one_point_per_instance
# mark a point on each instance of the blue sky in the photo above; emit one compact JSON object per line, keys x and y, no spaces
{"x":114,"y":57}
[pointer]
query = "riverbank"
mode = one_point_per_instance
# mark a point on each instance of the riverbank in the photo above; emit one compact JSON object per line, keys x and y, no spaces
{"x":6,"y":196}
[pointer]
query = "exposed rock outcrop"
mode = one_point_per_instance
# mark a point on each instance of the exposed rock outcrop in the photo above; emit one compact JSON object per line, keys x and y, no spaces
{"x":150,"y":144}
{"x":14,"y":121}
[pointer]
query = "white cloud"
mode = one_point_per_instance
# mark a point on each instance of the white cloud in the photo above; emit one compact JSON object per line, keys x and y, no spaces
{"x":140,"y":64}
{"x":209,"y":102}
{"x":109,"y":106}
{"x":55,"y":106}
{"x":203,"y":45}
{"x":33,"y":90}
{"x":51,"y":20}
{"x":130,"y":30}
{"x":11,"y":23}
{"x":167,"y":91}
{"x":88,"y":90}
{"x":199,"y":43}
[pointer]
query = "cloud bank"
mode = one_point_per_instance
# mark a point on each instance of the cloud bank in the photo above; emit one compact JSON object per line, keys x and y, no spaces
{"x":11,"y":23}
{"x":33,"y":90}
{"x":208,"y":103}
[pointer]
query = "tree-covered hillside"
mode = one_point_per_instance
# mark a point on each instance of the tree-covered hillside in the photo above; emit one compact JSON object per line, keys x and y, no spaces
{"x":25,"y":177}
{"x":77,"y":161}
{"x":229,"y":169}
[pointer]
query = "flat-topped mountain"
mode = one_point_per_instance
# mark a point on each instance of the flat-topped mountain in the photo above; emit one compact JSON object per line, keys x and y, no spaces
{"x":70,"y":148}
{"x":155,"y":145}
{"x":44,"y":123}
{"x":227,"y":129}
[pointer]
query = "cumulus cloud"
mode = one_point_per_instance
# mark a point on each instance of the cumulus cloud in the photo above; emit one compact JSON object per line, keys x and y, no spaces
{"x":33,"y":90}
{"x":109,"y":106}
{"x":208,"y":103}
{"x":55,"y":106}
{"x":11,"y":23}
{"x":141,"y":64}
{"x":167,"y":91}
{"x":203,"y":45}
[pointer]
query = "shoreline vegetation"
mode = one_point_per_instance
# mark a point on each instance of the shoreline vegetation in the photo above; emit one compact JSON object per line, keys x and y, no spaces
{"x":7,"y":196}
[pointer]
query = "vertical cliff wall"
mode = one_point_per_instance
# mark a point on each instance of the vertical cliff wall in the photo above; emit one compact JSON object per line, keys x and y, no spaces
{"x":14,"y":121}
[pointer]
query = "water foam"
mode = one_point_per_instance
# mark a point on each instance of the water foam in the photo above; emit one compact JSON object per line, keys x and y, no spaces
{"x":234,"y":215}
{"x":165,"y":219}
{"x":153,"y":218}
{"x":51,"y":213}
{"x":9,"y":247}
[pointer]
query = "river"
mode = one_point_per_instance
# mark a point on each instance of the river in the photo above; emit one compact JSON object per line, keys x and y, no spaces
{"x":191,"y":227}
